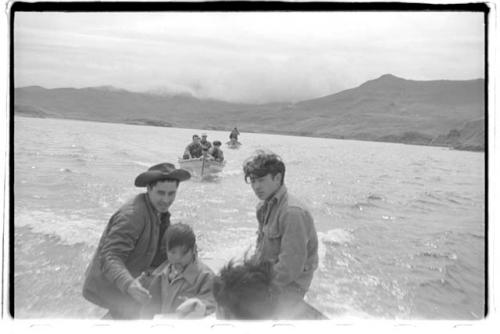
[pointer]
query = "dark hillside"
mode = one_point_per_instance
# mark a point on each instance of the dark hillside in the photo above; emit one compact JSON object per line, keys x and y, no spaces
{"x":385,"y":109}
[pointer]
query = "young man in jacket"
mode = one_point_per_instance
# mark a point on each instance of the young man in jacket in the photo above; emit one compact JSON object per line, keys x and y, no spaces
{"x":132,"y":244}
{"x":286,"y":232}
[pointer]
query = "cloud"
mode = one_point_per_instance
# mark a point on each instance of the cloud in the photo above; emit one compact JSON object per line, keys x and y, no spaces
{"x":248,"y":57}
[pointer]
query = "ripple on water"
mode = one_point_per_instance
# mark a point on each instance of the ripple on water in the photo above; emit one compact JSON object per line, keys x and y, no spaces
{"x":48,"y":277}
{"x":80,"y":230}
{"x":336,"y":237}
{"x":375,"y":197}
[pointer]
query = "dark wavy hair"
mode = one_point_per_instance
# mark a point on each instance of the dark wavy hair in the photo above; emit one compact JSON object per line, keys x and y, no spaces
{"x":244,"y":291}
{"x":263,"y":162}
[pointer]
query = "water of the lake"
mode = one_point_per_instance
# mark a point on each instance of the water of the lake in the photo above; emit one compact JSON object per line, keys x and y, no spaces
{"x":401,"y":227}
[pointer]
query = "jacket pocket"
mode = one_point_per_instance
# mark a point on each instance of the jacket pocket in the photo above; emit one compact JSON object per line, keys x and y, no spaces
{"x":272,"y":242}
{"x":272,"y":231}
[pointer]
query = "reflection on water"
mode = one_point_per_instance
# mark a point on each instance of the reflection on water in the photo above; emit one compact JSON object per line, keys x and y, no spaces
{"x":401,"y":227}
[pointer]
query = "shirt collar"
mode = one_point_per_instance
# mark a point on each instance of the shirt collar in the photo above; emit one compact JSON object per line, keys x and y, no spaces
{"x":277,"y":196}
{"x":191,"y":272}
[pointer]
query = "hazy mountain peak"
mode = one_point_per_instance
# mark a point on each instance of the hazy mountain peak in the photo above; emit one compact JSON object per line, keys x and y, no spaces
{"x":384,"y":80}
{"x":389,"y":76}
{"x":108,"y":88}
{"x":35,"y":87}
{"x":169,"y":92}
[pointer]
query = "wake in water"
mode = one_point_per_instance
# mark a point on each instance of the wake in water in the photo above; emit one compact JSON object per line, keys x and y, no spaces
{"x":389,"y":248}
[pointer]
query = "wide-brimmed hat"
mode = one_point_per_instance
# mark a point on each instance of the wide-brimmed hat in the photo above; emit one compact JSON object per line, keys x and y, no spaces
{"x":160,"y":172}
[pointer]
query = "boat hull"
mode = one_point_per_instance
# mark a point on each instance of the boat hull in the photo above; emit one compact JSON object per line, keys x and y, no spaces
{"x":201,"y":167}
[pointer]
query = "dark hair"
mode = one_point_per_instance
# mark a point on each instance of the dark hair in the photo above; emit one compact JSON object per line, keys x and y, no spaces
{"x":180,"y":235}
{"x":217,"y":143}
{"x":262,"y":163}
{"x":152,"y":184}
{"x":244,"y":291}
{"x":195,"y":136}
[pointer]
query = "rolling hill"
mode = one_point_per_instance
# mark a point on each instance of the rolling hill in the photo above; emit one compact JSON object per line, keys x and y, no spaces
{"x":392,"y":109}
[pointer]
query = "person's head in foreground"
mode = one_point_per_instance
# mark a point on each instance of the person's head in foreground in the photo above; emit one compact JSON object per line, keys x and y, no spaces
{"x":181,"y":245}
{"x":244,"y":291}
{"x":196,"y":138}
{"x":217,"y":143}
{"x":265,"y":171}
{"x":161,"y":182}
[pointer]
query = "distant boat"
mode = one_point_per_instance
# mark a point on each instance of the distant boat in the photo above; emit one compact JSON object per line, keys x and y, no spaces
{"x":233,"y":144}
{"x":202,"y":166}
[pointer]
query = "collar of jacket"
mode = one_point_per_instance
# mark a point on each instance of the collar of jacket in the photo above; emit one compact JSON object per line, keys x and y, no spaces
{"x":190,"y":273}
{"x":277,"y":197}
{"x":152,"y":209}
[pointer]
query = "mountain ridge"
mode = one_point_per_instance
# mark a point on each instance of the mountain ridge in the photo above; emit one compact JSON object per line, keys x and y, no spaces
{"x":387,"y":108}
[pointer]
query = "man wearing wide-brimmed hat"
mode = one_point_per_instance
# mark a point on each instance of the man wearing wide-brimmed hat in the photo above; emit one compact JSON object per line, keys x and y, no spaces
{"x":130,"y":244}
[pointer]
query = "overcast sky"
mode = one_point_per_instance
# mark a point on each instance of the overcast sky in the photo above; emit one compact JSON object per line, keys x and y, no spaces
{"x":245,"y":57}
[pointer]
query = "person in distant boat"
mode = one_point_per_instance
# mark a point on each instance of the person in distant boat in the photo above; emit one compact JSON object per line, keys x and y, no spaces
{"x":234,"y":134}
{"x":245,"y":292}
{"x":204,"y":142}
{"x":181,"y":287}
{"x":132,"y":244}
{"x":216,"y":152}
{"x":286,"y":233}
{"x":194,"y":149}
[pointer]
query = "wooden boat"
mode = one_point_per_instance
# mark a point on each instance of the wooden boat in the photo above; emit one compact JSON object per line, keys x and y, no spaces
{"x":202,"y":166}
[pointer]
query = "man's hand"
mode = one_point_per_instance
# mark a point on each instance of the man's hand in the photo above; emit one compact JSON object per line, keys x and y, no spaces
{"x":191,"y":308}
{"x":137,"y":291}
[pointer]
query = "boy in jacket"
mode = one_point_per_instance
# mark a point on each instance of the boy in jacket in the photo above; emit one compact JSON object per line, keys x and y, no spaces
{"x":181,"y":287}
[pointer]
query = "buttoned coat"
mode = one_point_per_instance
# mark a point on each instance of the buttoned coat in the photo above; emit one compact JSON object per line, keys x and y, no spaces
{"x":196,"y":281}
{"x":126,"y":249}
{"x":287,"y":237}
